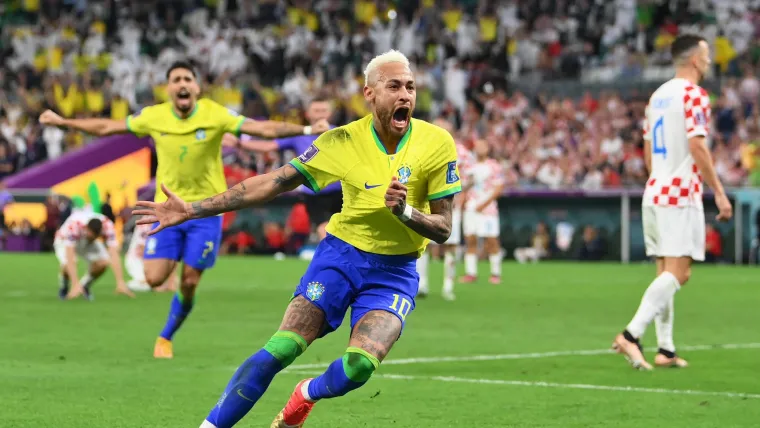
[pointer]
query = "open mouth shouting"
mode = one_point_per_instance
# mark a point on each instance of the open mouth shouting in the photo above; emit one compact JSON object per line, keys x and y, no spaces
{"x":183,"y":98}
{"x":400,"y":117}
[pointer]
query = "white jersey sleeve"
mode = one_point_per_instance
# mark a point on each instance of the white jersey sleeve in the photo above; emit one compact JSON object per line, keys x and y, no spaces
{"x":73,"y":229}
{"x":677,"y":111}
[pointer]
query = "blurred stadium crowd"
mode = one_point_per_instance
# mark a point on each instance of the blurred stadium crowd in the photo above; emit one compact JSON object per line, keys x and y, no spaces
{"x":268,"y":58}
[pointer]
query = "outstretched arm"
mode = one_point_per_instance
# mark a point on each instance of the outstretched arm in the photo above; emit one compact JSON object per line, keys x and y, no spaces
{"x":273,"y":129}
{"x":94,"y":126}
{"x":249,"y":192}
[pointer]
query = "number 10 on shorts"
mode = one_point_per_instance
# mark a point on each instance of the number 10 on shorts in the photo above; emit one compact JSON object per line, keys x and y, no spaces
{"x":402,"y":310}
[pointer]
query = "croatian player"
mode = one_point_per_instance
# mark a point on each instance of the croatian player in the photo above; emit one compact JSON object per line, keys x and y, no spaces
{"x":464,"y":159}
{"x":485,"y":180}
{"x":188,"y":135}
{"x":367,"y":261}
{"x":133,"y":262}
{"x":677,"y":155}
{"x":80,"y":236}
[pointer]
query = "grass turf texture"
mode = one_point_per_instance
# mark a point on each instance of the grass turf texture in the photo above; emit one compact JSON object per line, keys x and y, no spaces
{"x":81,"y":364}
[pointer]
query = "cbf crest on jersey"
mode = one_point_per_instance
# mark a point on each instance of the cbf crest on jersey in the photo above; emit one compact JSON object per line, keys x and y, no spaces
{"x":200,"y":134}
{"x":150,"y":246}
{"x":315,"y":290}
{"x":404,"y":173}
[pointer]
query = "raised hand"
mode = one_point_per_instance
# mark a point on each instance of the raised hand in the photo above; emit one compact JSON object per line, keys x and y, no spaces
{"x":395,"y":197}
{"x":51,"y":118}
{"x":171,"y":212}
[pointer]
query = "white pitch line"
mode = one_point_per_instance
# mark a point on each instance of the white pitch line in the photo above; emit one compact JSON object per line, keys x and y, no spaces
{"x":530,"y":355}
{"x":541,"y":384}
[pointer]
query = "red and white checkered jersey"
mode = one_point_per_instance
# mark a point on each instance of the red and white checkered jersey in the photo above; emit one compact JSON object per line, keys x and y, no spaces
{"x":72,"y":231}
{"x":678,"y":110}
{"x":486,"y":177}
{"x":139,"y":236}
{"x":465,"y":159}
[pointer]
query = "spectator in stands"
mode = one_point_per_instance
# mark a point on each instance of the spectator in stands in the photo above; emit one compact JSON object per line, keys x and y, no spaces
{"x":7,"y":162}
{"x":274,"y":236}
{"x":713,"y":244}
{"x":106,"y":209}
{"x":592,"y":246}
{"x":297,"y":228}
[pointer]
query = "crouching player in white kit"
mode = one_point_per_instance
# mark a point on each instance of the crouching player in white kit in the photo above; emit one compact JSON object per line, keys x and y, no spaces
{"x":80,"y":235}
{"x":133,"y":261}
{"x":485,"y":180}
{"x":678,"y":158}
{"x":464,"y":160}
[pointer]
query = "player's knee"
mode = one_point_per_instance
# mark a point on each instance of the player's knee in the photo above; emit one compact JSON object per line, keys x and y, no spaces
{"x":154,"y":279}
{"x":98,"y":267}
{"x":359,"y":364}
{"x":286,"y":346}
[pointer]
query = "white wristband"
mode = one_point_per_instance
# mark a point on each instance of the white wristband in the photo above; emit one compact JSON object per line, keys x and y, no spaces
{"x":307,"y":130}
{"x":407,"y":214}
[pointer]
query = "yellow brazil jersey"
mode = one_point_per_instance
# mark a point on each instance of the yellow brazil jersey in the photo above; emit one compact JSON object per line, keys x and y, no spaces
{"x":426,"y":162}
{"x":189,"y":150}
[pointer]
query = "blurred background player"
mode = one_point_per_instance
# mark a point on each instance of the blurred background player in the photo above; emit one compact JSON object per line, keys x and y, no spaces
{"x":188,"y":136}
{"x":539,"y":246}
{"x":319,"y":110}
{"x":485,"y":179}
{"x":80,"y":236}
{"x":678,"y":158}
{"x":464,"y":160}
{"x":133,"y":262}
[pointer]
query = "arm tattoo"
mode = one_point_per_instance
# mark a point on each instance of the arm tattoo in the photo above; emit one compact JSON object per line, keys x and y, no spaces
{"x":284,"y":129}
{"x":435,"y":226}
{"x":259,"y":189}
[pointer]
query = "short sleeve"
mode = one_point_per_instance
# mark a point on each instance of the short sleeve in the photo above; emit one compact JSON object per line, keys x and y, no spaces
{"x":322,"y":163}
{"x":443,"y":179}
{"x":139,"y":123}
{"x":70,"y":234}
{"x":696,"y":104}
{"x":231,"y":119}
{"x":645,"y":131}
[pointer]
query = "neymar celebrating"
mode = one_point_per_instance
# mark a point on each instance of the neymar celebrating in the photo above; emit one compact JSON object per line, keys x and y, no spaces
{"x":399,"y":176}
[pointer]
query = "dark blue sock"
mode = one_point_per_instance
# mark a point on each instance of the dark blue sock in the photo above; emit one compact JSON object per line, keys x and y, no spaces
{"x":332,"y":383}
{"x":179,"y":310}
{"x":245,"y":388}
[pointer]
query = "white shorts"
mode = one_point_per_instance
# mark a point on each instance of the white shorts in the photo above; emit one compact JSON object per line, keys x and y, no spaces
{"x":674,"y":232}
{"x":456,"y":228}
{"x":134,"y":267}
{"x":93,"y":252}
{"x":481,"y":225}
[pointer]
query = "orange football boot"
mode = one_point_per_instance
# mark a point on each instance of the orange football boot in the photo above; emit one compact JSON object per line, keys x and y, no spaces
{"x":296,"y":411}
{"x":163,"y":348}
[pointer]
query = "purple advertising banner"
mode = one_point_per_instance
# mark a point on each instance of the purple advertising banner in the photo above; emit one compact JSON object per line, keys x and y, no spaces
{"x":71,"y":164}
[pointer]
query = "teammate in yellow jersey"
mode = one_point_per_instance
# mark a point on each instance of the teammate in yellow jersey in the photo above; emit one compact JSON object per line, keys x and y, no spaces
{"x":399,"y":176}
{"x":188,"y":135}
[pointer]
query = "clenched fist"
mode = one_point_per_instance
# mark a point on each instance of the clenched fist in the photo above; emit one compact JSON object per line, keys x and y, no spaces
{"x":320,"y":127}
{"x":395,"y":197}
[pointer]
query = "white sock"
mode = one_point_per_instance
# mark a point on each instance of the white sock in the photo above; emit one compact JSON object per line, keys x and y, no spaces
{"x":422,"y":270}
{"x":86,"y":280}
{"x":495,"y":260}
{"x":305,"y":391}
{"x":471,"y":264}
{"x":449,"y":271}
{"x":207,"y":424}
{"x":655,"y":299}
{"x":663,"y":324}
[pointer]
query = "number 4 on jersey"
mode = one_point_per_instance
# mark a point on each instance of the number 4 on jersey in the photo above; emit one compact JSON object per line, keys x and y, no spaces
{"x":658,"y":138}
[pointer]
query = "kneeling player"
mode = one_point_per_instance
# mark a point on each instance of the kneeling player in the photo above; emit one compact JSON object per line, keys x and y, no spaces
{"x":80,"y":236}
{"x":481,"y":218}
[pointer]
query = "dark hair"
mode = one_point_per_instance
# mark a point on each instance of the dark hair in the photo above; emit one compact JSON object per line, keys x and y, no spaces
{"x":683,"y":44}
{"x":96,"y":226}
{"x":320,"y":99}
{"x":184,"y":65}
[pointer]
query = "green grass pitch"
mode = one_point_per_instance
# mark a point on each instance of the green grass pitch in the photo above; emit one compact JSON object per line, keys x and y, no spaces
{"x":542,"y":335}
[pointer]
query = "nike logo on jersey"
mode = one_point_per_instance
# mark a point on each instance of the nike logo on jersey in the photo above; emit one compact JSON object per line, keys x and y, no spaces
{"x":367,"y":186}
